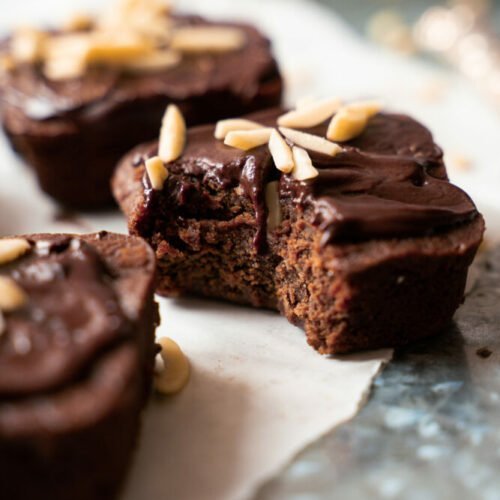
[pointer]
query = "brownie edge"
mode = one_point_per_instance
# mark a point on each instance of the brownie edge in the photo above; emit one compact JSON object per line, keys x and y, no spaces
{"x":72,"y":435}
{"x":370,"y":292}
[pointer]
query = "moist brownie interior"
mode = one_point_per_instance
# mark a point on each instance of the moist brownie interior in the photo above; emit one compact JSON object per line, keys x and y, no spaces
{"x":371,"y":253}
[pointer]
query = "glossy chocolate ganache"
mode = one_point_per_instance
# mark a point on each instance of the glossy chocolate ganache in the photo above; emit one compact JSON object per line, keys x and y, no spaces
{"x":63,"y":352}
{"x":388,"y":182}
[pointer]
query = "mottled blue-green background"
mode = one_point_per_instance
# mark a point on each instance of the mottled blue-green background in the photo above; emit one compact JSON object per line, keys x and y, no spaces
{"x":357,"y":12}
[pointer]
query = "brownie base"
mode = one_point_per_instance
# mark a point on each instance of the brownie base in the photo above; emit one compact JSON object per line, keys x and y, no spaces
{"x":347,"y":297}
{"x":88,"y":460}
{"x":74,"y":159}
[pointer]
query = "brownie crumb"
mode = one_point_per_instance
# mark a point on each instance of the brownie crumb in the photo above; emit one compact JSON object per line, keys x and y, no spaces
{"x":484,"y":352}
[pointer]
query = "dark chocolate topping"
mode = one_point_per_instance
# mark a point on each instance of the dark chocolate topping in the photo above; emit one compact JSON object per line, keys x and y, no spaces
{"x":105,"y":89}
{"x":72,"y":316}
{"x":388,"y":182}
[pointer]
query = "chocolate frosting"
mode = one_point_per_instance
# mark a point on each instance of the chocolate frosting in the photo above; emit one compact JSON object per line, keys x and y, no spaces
{"x":102,"y":90}
{"x":389,"y":182}
{"x":71,"y":318}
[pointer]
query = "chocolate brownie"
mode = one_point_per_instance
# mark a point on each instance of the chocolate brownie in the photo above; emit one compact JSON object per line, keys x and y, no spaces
{"x":76,"y":362}
{"x":372,"y":252}
{"x":73,"y":131}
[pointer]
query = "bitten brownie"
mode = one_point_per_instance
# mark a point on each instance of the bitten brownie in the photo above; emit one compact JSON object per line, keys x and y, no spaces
{"x":76,"y":362}
{"x":372,"y":252}
{"x":73,"y":129}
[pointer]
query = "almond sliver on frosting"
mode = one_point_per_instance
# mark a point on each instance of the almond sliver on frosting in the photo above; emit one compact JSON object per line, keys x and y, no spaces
{"x":207,"y":39}
{"x":310,"y":115}
{"x":172,"y":135}
{"x":248,"y":139}
{"x":223,"y":127}
{"x":311,"y":142}
{"x":281,"y":153}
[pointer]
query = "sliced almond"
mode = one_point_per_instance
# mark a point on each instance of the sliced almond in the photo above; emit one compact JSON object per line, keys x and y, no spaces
{"x":27,"y":45}
{"x":207,"y":39}
{"x":157,"y":29}
{"x":223,"y":127}
{"x":161,"y":6}
{"x":248,"y":139}
{"x":281,"y":152}
{"x":12,"y":248}
{"x":145,"y":20}
{"x":71,"y":45}
{"x":66,"y":56}
{"x":173,"y":370}
{"x":311,"y":142}
{"x":157,"y":172}
{"x":156,"y":61}
{"x":7,"y":64}
{"x":116,"y":48}
{"x":273,"y":205}
{"x":64,"y":68}
{"x":346,"y":125}
{"x":310,"y":115}
{"x":79,"y":22}
{"x":130,"y":8}
{"x":369,"y":107}
{"x":304,"y":168}
{"x":12,"y":296}
{"x":172,"y":134}
{"x":126,"y":5}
